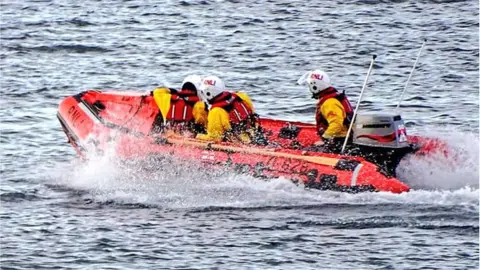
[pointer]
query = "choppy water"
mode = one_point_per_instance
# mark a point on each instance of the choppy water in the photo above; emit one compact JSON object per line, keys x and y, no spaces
{"x":58,"y":213}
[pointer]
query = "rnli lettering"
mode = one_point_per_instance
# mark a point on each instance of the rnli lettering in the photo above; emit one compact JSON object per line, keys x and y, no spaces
{"x":74,"y":116}
{"x":316,"y":76}
{"x":210,"y":82}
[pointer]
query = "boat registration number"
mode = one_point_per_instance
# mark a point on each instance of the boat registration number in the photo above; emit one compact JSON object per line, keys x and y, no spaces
{"x":288,"y":165}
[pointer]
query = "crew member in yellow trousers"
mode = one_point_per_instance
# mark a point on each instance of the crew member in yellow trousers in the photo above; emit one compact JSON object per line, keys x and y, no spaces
{"x":333,"y":111}
{"x":181,"y":110}
{"x":231,"y":116}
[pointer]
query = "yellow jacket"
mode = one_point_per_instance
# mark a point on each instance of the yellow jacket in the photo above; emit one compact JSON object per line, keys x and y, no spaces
{"x":162,"y":97}
{"x":200,"y":114}
{"x":219,"y":122}
{"x":332,"y":110}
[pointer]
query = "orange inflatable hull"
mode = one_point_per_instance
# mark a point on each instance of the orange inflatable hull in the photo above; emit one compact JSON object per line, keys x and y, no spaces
{"x":92,"y":120}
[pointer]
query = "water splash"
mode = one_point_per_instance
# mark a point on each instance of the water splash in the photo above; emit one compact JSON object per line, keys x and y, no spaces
{"x":172,"y":183}
{"x":165,"y":181}
{"x":458,"y":169}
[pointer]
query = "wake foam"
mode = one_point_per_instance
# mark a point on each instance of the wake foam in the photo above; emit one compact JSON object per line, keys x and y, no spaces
{"x":174,"y":184}
{"x":458,"y":169}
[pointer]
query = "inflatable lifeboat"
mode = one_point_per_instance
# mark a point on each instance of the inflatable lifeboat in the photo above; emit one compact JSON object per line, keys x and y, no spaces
{"x":94,"y":120}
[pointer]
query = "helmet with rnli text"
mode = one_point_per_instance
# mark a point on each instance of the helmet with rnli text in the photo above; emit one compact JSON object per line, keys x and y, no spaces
{"x":192,"y":82}
{"x":211,"y":87}
{"x":317,"y":81}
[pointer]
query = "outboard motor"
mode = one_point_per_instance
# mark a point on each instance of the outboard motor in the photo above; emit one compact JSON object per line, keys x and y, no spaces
{"x":381,"y":139}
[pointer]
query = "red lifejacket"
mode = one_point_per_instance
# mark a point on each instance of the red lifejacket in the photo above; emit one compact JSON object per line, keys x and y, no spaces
{"x":322,"y":123}
{"x":238,"y":111}
{"x":181,"y":105}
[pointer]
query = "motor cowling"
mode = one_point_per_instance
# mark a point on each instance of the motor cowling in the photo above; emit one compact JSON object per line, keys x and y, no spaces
{"x":380,"y":131}
{"x":381,"y":139}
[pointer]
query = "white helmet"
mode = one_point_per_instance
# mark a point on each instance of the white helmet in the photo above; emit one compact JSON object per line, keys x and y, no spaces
{"x":192,"y":81}
{"x":211,"y":87}
{"x":317,"y":80}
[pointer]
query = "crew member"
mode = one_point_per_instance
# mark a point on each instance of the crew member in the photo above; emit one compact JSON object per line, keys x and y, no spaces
{"x":180,"y":110}
{"x":231,"y":116}
{"x":333,"y":111}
